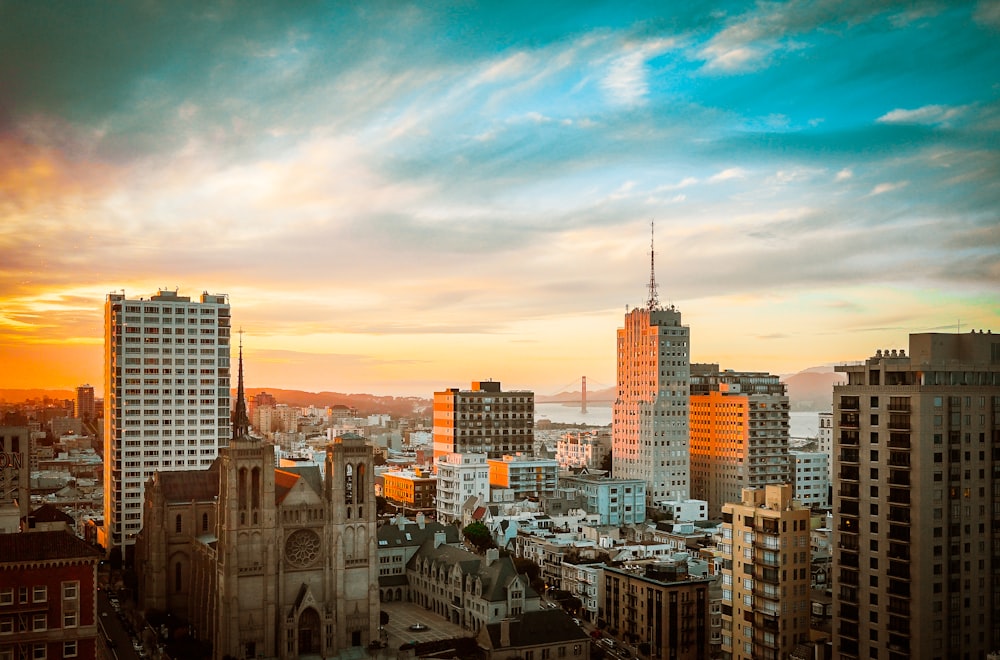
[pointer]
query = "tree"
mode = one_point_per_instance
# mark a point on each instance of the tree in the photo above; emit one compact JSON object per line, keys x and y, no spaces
{"x":529,"y":568}
{"x":606,"y":463}
{"x":479,"y":535}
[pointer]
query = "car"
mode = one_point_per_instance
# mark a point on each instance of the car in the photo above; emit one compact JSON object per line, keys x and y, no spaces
{"x":577,"y":622}
{"x":418,"y":627}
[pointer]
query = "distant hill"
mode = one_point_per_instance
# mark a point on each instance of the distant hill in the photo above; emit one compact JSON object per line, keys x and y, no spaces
{"x":605,"y":395}
{"x":811,"y":390}
{"x":20,"y":395}
{"x":366,"y":404}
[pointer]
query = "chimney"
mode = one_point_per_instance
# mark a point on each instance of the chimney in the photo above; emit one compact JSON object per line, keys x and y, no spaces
{"x":401,"y":522}
{"x":504,"y":633}
{"x":440,"y":538}
{"x":492,"y":555}
{"x":420,"y":520}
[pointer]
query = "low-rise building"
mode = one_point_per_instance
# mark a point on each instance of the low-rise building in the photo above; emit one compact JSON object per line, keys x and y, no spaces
{"x":534,"y":636}
{"x":616,"y":501}
{"x":460,"y":476}
{"x":410,"y":491}
{"x":398,"y":541}
{"x":812,"y":483}
{"x":523,"y":475}
{"x":583,"y":449}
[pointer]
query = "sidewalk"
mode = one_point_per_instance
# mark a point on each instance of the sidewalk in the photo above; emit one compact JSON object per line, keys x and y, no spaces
{"x":402,"y":615}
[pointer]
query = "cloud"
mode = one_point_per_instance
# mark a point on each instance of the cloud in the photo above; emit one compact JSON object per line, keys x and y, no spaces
{"x":844,"y":175}
{"x":883,"y":188}
{"x":626,"y":78}
{"x":929,"y":115}
{"x":728,"y":174}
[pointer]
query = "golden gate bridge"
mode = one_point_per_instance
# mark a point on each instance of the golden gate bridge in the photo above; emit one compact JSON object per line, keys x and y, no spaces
{"x":565,"y":395}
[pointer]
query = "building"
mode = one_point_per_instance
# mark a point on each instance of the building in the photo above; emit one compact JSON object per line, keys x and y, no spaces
{"x":917,"y":470}
{"x":739,"y":434}
{"x":410,"y":491}
{"x":48,"y":596}
{"x":15,"y":477}
{"x":824,"y":440}
{"x":460,"y":477}
{"x":256,"y":401}
{"x":535,"y":635}
{"x":265,"y":561}
{"x":583,"y":449}
{"x":615,"y":501}
{"x":398,"y":541}
{"x":465,"y":588}
{"x":659,"y":604}
{"x":811,"y":485}
{"x":85,"y":409}
{"x":483,"y":420}
{"x":765,"y":574}
{"x":650,"y":413}
{"x":166,"y":396}
{"x":685,"y":510}
{"x":523,"y":475}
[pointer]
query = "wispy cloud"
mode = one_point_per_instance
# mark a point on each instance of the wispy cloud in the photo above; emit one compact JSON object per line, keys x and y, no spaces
{"x":883,"y":188}
{"x":929,"y":115}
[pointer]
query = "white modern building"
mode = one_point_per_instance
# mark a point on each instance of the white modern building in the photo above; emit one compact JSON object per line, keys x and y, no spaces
{"x":166,"y":396}
{"x":684,"y":510}
{"x":650,"y":413}
{"x":460,"y":476}
{"x":524,"y":476}
{"x":615,"y":501}
{"x":811,"y":481}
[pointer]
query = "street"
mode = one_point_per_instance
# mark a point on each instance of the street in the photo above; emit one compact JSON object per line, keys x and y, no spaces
{"x":113,"y":628}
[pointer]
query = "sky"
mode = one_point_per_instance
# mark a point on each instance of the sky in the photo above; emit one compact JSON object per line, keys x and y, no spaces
{"x":400,"y":198}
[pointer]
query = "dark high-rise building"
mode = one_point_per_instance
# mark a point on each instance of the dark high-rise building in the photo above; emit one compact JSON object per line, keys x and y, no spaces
{"x":916,"y":569}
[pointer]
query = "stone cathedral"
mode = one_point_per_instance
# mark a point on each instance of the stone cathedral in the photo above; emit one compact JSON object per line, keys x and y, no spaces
{"x":266,"y":562}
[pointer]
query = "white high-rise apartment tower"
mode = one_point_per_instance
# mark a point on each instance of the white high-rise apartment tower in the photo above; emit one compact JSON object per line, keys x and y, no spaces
{"x":166,"y":396}
{"x":649,"y":428}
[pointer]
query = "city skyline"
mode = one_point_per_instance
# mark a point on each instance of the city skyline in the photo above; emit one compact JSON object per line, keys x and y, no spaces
{"x":398,"y":198}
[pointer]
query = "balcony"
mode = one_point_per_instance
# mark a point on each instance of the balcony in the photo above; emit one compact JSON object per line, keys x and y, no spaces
{"x":899,"y":478}
{"x":899,"y":551}
{"x":849,"y":437}
{"x":763,"y":557}
{"x":899,"y":588}
{"x":850,"y":403}
{"x":899,"y":440}
{"x":899,"y":533}
{"x":899,"y":496}
{"x":849,"y":490}
{"x":899,"y":569}
{"x":848,"y":473}
{"x":849,"y":421}
{"x":849,"y":455}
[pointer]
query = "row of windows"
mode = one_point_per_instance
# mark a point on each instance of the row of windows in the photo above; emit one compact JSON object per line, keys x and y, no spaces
{"x":38,"y":593}
{"x":39,"y":651}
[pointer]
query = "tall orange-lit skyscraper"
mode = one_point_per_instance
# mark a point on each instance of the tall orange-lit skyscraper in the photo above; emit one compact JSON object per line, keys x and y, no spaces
{"x":739,"y":434}
{"x":650,"y":415}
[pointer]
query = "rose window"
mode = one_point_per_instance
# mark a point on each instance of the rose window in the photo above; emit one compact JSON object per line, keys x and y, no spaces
{"x":302,"y":547}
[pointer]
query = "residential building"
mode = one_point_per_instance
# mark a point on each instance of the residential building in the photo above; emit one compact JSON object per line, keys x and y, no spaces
{"x":659,"y":604}
{"x":523,"y":475}
{"x":765,"y":574}
{"x":410,"y":491}
{"x":535,"y":635}
{"x":650,"y":413}
{"x":48,"y":596}
{"x":85,"y":409}
{"x":917,"y":465}
{"x":583,"y":449}
{"x":265,"y":561}
{"x":398,"y":541}
{"x":739,"y":433}
{"x":582,"y":576}
{"x":615,"y":501}
{"x":166,"y":397}
{"x":467,"y":589}
{"x":460,"y":477}
{"x":824,"y":440}
{"x":483,"y":420}
{"x":685,"y":510}
{"x":15,"y":477}
{"x":811,"y":485}
{"x":256,"y":401}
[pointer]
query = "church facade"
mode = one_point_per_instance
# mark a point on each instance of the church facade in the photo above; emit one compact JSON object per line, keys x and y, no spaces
{"x":266,"y":562}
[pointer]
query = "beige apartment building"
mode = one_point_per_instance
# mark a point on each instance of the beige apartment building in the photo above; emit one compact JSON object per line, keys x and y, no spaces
{"x":483,"y":420}
{"x":765,"y":575}
{"x":739,"y":434}
{"x":916,"y":563}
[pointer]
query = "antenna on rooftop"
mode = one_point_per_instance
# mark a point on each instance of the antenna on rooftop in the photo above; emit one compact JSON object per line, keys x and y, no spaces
{"x":653,"y":302}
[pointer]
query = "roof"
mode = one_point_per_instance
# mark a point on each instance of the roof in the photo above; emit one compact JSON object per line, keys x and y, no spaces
{"x":538,"y":628}
{"x":44,"y":546}
{"x":495,"y":576}
{"x":310,"y":473}
{"x":48,"y":513}
{"x":284,"y":481}
{"x":190,"y":485}
{"x":390,"y":535}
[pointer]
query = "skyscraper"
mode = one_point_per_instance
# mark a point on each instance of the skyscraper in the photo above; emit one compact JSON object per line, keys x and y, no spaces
{"x":166,"y":396}
{"x":917,"y":501}
{"x":85,"y":403}
{"x":483,"y":420}
{"x":650,"y":414}
{"x":739,"y":433}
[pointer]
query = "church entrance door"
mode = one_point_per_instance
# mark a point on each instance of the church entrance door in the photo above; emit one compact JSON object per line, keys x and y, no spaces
{"x":309,"y":632}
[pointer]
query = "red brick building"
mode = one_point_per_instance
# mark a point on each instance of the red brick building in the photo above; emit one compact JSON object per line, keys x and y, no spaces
{"x":48,"y":596}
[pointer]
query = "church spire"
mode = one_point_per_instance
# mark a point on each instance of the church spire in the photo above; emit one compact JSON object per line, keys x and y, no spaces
{"x":653,"y":303}
{"x":241,"y":423}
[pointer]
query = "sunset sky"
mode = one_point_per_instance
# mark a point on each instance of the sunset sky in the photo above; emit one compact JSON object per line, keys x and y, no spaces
{"x":400,"y":198}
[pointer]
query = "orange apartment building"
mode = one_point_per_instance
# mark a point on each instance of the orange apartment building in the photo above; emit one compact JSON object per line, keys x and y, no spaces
{"x":411,"y":491}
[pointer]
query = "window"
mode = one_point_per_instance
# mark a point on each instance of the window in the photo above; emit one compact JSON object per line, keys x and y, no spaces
{"x":70,"y":589}
{"x":177,"y":523}
{"x":69,"y":620}
{"x":69,"y":649}
{"x":40,"y":594}
{"x":38,"y":652}
{"x":7,"y":596}
{"x":39,"y":622}
{"x":6,"y":625}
